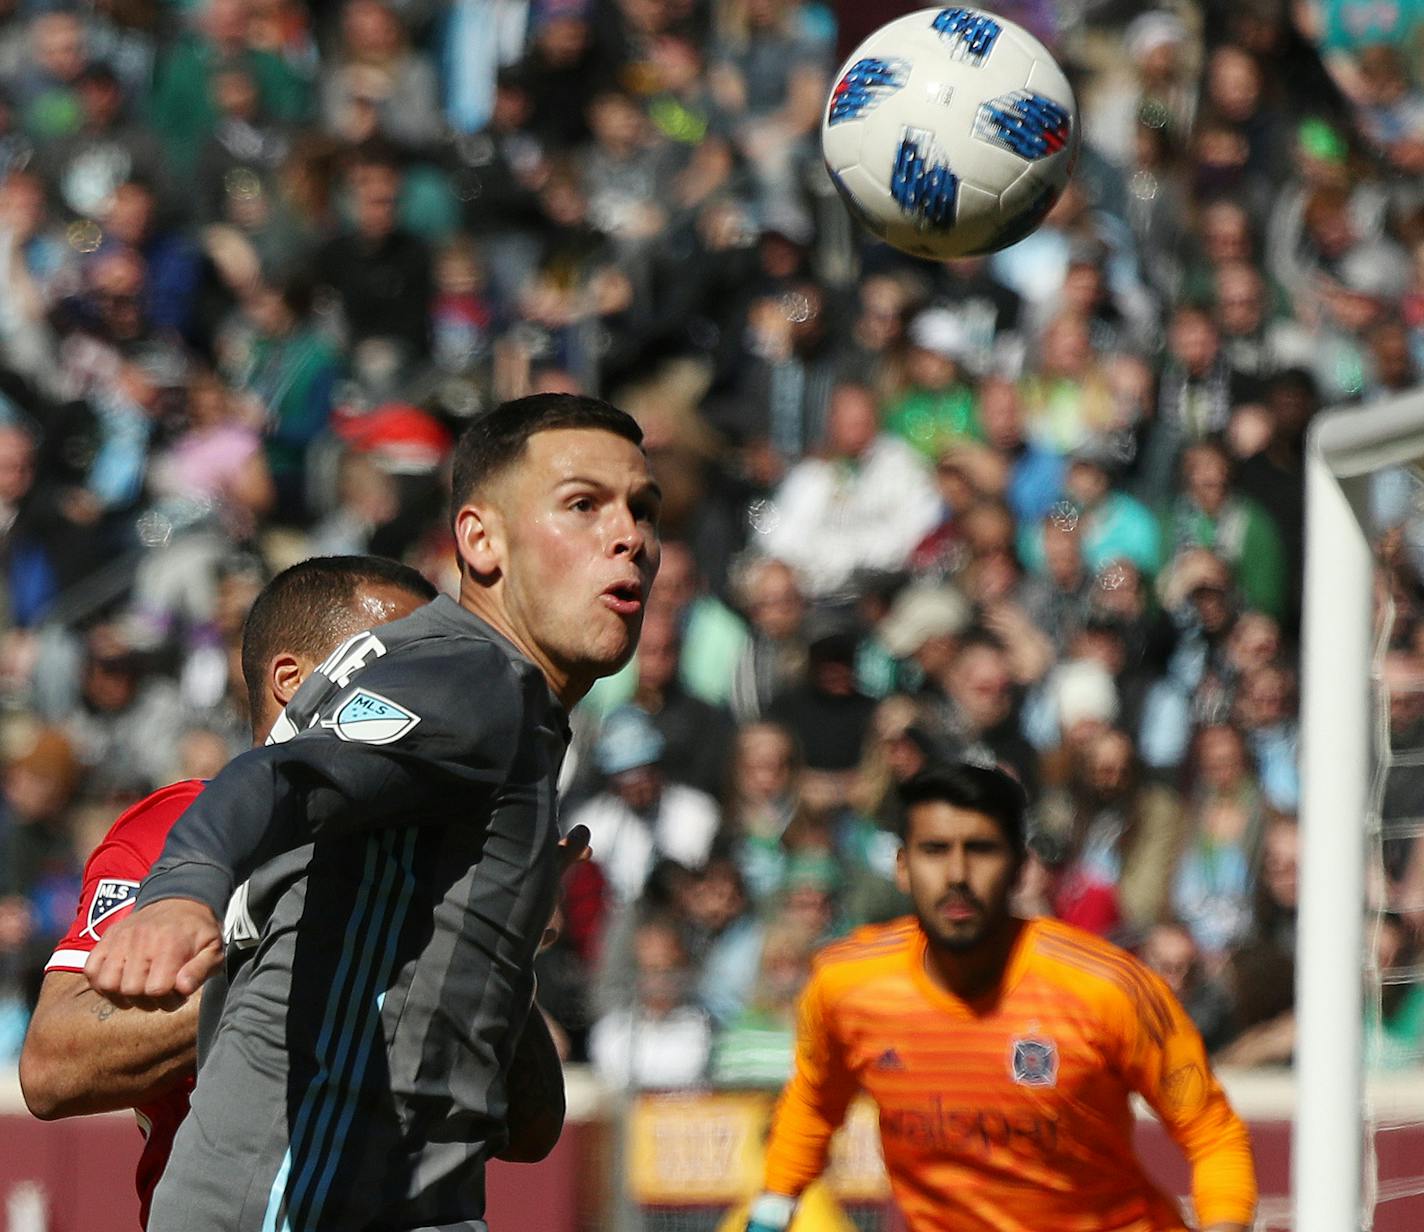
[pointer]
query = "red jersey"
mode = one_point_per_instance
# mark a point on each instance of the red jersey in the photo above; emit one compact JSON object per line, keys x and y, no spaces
{"x":111,"y":880}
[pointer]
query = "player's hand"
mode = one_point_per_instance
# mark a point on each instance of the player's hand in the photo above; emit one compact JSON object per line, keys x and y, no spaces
{"x":770,"y":1213}
{"x":574,"y":848}
{"x":158,"y":957}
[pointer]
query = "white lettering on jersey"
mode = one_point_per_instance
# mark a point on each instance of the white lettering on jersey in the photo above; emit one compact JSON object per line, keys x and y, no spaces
{"x":111,"y":895}
{"x":350,"y":657}
{"x":238,"y":928}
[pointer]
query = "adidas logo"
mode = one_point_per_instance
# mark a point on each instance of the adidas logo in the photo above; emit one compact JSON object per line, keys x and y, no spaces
{"x":889,"y":1059}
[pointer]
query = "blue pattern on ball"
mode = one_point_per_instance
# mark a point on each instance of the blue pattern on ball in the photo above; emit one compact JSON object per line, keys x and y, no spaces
{"x":864,"y":84}
{"x":970,"y":34}
{"x":921,"y":185}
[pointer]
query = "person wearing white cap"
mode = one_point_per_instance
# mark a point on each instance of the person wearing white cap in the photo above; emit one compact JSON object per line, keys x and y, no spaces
{"x":639,"y":817}
{"x":1153,"y":80}
{"x":938,"y":409}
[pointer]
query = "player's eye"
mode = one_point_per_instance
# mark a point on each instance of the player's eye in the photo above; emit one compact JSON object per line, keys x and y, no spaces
{"x":582,"y":504}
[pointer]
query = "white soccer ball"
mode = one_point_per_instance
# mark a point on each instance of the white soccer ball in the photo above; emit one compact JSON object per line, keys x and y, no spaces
{"x":950,"y":132}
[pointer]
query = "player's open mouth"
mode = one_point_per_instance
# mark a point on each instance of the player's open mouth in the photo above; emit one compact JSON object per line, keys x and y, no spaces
{"x":625,"y":598}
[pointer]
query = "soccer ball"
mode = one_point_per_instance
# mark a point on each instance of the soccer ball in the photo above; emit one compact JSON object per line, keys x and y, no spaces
{"x":950,"y":132}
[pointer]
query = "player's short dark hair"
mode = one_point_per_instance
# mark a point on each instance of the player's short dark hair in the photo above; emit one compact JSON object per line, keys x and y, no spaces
{"x":497,"y":439}
{"x":307,"y":609}
{"x":976,"y":789}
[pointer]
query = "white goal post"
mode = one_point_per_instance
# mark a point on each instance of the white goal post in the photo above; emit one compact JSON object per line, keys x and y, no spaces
{"x":1345,"y":448}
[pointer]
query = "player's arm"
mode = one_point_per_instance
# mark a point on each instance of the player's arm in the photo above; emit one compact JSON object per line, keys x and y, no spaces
{"x":535,"y":1087}
{"x":1167,"y":1065}
{"x":467,"y":709}
{"x":810,"y":1110}
{"x":83,"y":1054}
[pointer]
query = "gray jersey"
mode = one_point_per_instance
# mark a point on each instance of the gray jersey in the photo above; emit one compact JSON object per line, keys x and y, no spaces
{"x":398,"y":846}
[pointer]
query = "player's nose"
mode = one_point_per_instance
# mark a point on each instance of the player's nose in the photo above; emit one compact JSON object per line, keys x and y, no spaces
{"x":630,"y":536}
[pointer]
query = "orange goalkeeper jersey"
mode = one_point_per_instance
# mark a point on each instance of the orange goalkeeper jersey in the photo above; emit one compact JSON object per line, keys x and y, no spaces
{"x":1011,"y":1114}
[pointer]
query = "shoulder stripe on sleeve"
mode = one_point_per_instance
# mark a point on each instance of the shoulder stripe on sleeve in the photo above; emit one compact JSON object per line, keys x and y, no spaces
{"x":851,"y":948}
{"x":67,"y":960}
{"x":1122,"y":971}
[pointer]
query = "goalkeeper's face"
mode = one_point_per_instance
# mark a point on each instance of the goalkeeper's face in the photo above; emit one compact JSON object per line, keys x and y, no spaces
{"x":959,"y":869}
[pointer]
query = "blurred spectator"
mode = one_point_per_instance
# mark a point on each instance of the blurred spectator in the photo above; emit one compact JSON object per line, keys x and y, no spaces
{"x":1265,"y":710}
{"x":29,"y":579}
{"x":1157,"y":47}
{"x":1120,"y":831}
{"x":48,"y":89}
{"x":1209,"y":514}
{"x":1068,"y":398}
{"x":782,"y":400}
{"x":1171,"y":952}
{"x":696,"y":736}
{"x":661,"y":1040}
{"x":107,"y":147}
{"x":39,"y":785}
{"x":971,"y":708}
{"x":289,"y":368}
{"x":377,"y":85}
{"x":827,"y":714}
{"x":1194,"y":401}
{"x":1111,"y":524}
{"x":937,"y":408}
{"x":765,"y":815}
{"x":639,"y":817}
{"x":182,"y":103}
{"x":770,"y":79}
{"x":214,"y":466}
{"x":864,"y":506}
{"x":1215,"y":881}
{"x":722,"y":932}
{"x":123,"y":724}
{"x":757,"y":1048}
{"x":1035,"y":474}
{"x":379,"y":272}
{"x":775,"y":653}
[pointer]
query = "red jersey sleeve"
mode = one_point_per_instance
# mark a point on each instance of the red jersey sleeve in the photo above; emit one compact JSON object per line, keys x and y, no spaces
{"x":116,"y":867}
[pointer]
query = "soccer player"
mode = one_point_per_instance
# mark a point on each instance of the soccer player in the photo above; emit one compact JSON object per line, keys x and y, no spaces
{"x":1002,"y":1053}
{"x":357,"y":1079}
{"x":84,"y":1055}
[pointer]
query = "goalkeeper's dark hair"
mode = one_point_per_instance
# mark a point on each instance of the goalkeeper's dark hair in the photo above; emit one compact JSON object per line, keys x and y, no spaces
{"x":497,"y":439}
{"x":976,"y":789}
{"x":308,"y":609}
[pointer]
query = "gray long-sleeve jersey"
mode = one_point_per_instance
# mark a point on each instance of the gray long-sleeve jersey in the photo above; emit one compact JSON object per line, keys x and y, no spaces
{"x":355,"y":1080}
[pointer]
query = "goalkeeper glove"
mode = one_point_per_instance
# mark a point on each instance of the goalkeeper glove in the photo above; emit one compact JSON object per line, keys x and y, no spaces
{"x":771,"y":1212}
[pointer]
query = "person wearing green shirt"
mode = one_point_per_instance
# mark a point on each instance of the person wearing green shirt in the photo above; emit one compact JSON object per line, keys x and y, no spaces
{"x":757,"y":1049}
{"x":1208,"y":514}
{"x":181,"y":104}
{"x":939,"y":408}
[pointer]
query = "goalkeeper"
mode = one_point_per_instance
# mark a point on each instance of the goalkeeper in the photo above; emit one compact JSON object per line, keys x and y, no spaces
{"x":1002,"y":1053}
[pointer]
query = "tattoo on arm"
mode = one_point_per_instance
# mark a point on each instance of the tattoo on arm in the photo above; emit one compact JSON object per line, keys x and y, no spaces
{"x":103,"y":1010}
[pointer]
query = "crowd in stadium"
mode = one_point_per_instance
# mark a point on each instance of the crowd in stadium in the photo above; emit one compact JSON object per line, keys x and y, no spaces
{"x":261,"y":260}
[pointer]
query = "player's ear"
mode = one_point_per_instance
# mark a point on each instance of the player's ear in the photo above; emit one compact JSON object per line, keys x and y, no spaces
{"x":479,"y":540}
{"x":284,"y":676}
{"x":902,"y":870}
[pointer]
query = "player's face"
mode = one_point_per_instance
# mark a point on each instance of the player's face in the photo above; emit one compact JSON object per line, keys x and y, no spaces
{"x":580,"y":548}
{"x":958,"y":870}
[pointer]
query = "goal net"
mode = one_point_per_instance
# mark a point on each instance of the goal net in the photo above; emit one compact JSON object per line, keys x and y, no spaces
{"x":1362,"y":819}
